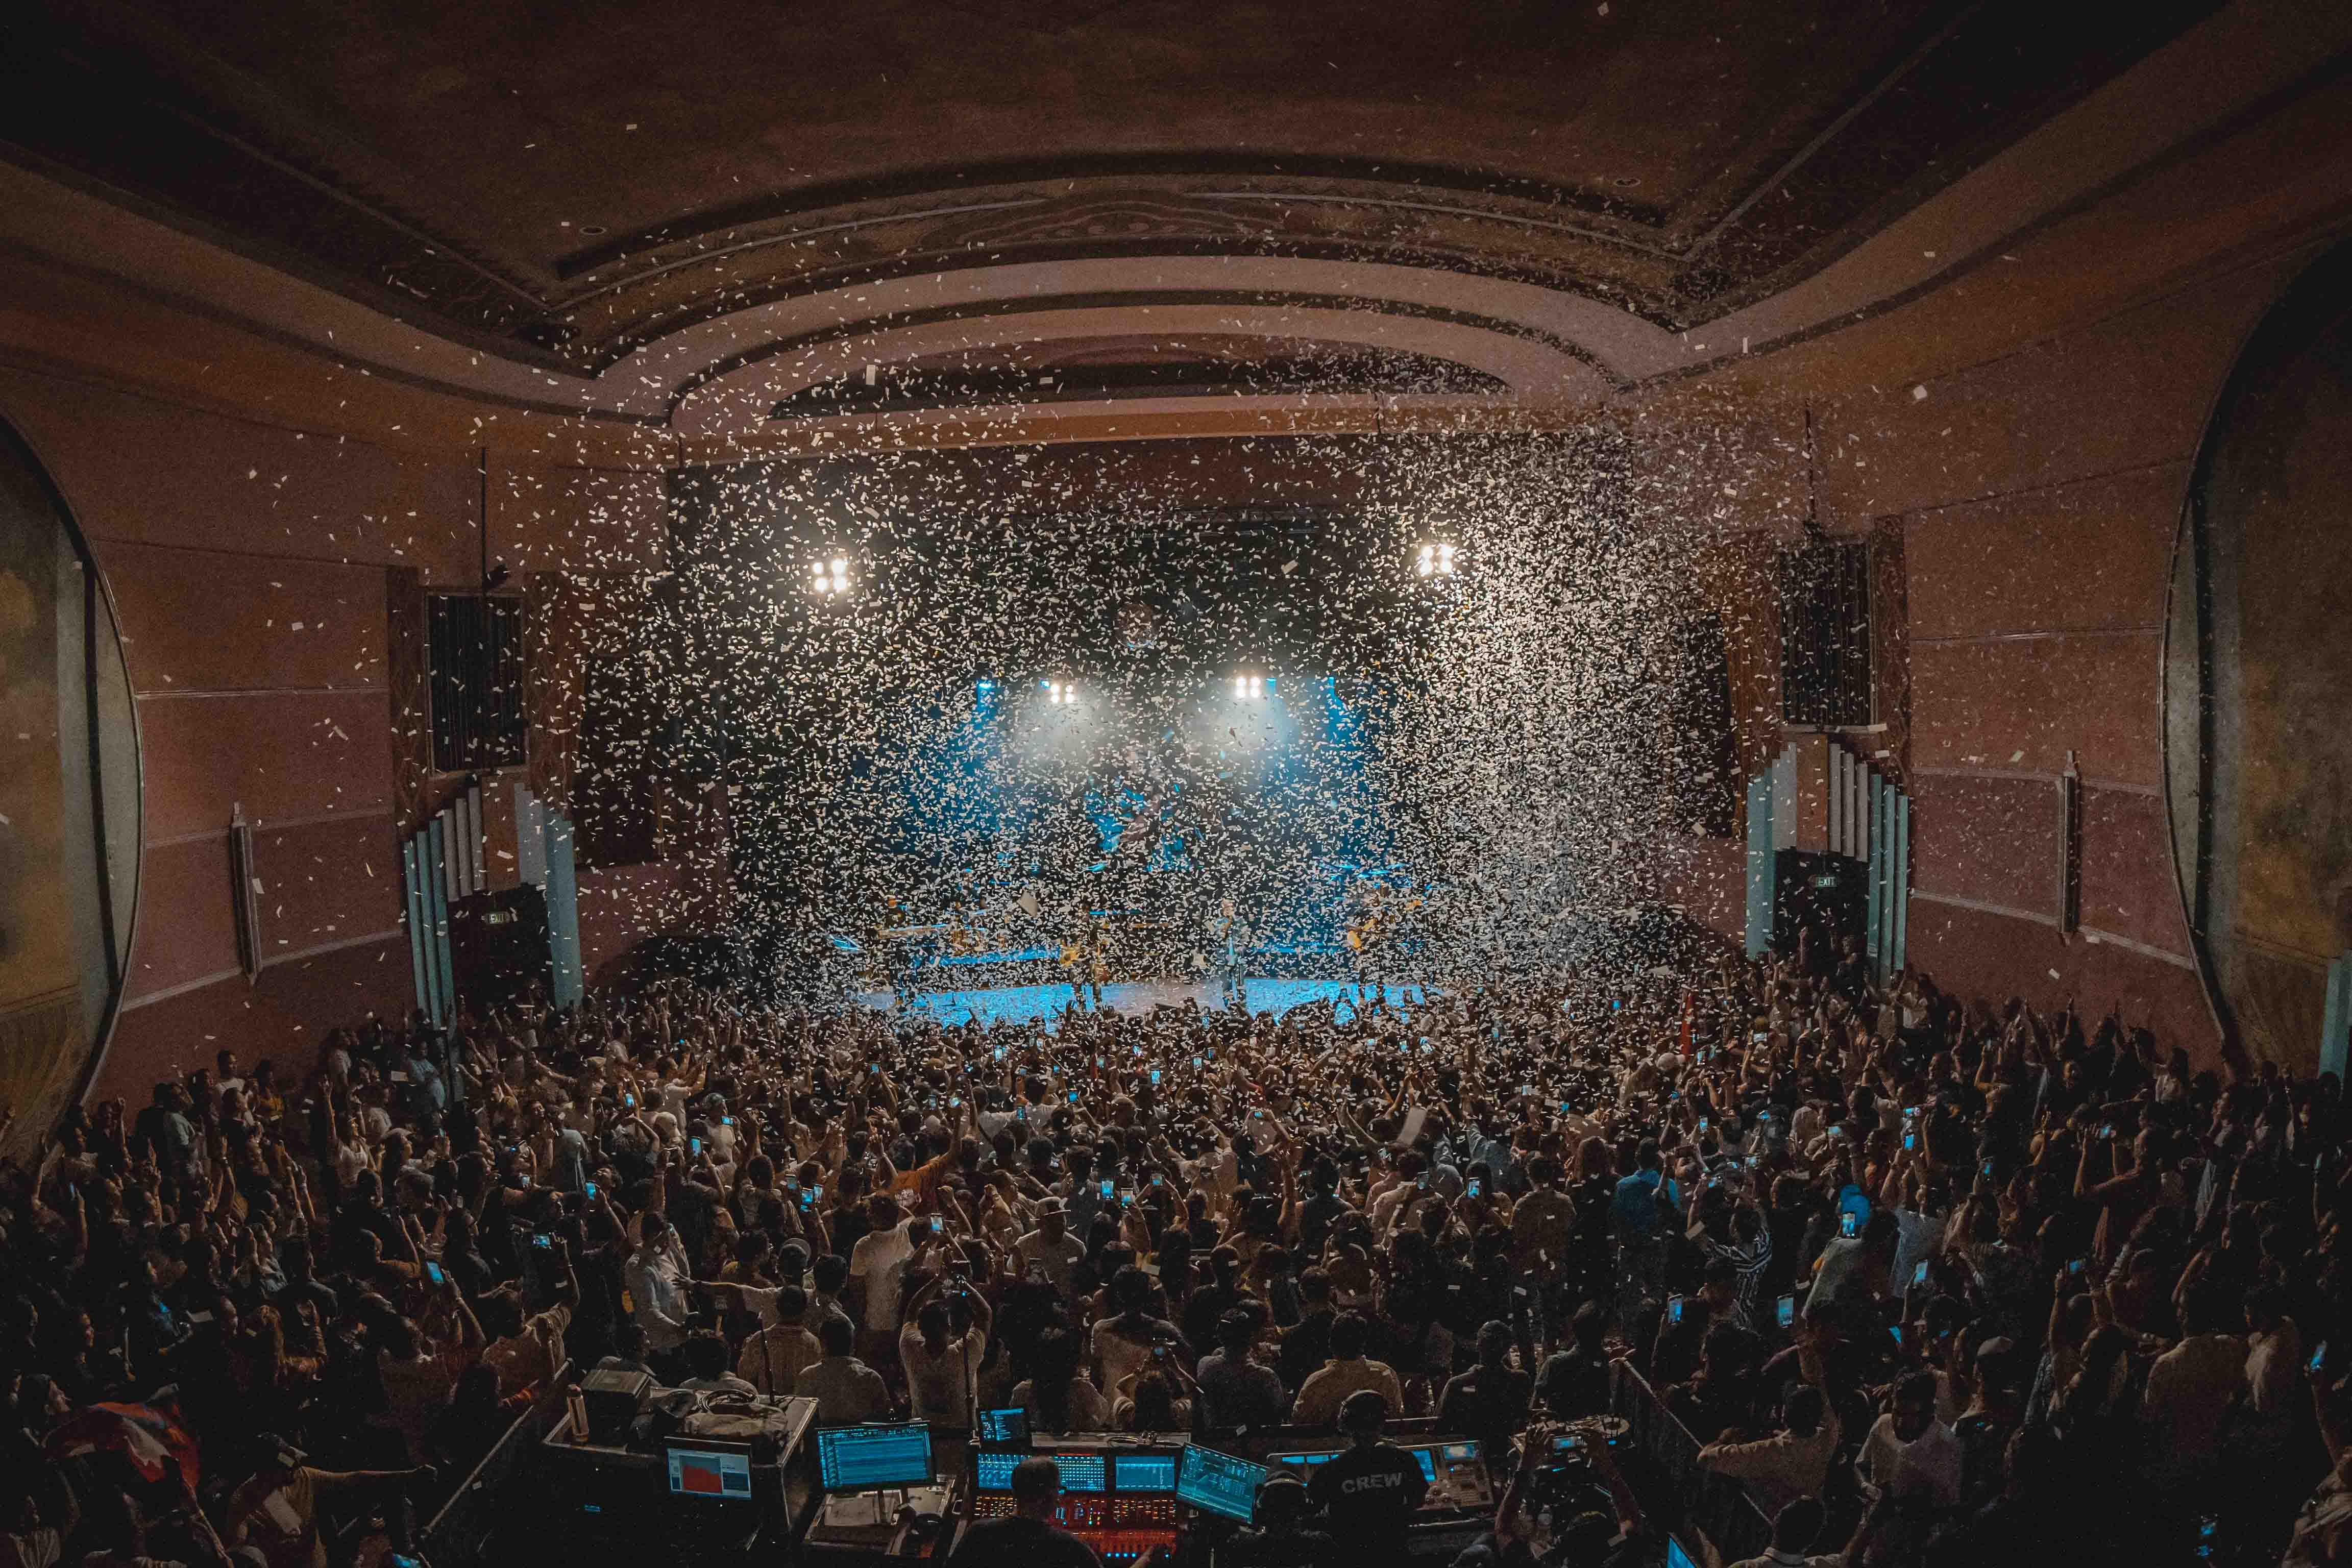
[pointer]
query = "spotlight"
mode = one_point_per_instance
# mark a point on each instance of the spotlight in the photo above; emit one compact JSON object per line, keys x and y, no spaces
{"x":1249,"y":687}
{"x":1061,"y":693}
{"x":1434,"y":560}
{"x":829,"y":577}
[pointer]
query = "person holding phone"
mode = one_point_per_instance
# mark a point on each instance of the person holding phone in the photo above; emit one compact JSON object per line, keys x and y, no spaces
{"x":526,"y":1350}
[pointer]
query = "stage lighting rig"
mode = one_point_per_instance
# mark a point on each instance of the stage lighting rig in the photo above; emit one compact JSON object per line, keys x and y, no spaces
{"x":1250,"y":688}
{"x":1438,"y":558}
{"x":828,"y":577}
{"x":1061,"y":693}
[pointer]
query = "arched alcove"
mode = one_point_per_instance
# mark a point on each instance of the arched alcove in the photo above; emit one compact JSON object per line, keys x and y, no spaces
{"x":69,"y":802}
{"x":2259,"y":677}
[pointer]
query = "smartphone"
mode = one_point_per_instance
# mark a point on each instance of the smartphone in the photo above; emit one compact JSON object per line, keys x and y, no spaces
{"x":726,"y":1122}
{"x":694,"y":1145}
{"x":1837,"y":1132}
{"x":2318,"y":1356}
{"x":589,"y":1188}
{"x":1155,"y":1077}
{"x":433,"y":1272}
{"x":1986,"y":1167}
{"x":1107,"y":1189}
{"x":1020,"y":1113}
{"x":999,"y":1052}
{"x":1126,"y":1196}
{"x":1896,"y":1329}
{"x":1784,"y":1310}
{"x":2107,"y":1130}
{"x":629,"y":1101}
{"x":1472,"y":1190}
{"x":1074,"y":1097}
{"x":1760,"y":1035}
{"x":1423,"y":1182}
{"x":1615,"y":1005}
{"x":1919,"y":1275}
{"x":541,"y":1240}
{"x":1674,"y":1310}
{"x":955,"y":1102}
{"x":1702,"y":1123}
{"x":1156,"y":1180}
{"x":1849,"y":1224}
{"x":873,"y":1067}
{"x":1910,"y":1142}
{"x":2075,"y":1265}
{"x":1563,"y":1107}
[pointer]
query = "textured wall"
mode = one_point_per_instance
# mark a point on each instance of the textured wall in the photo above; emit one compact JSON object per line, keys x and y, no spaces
{"x":254,"y":567}
{"x":2038,"y":495}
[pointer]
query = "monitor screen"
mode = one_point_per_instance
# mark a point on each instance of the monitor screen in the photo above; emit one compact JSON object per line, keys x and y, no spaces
{"x":1004,"y":1426}
{"x":1427,"y":1460}
{"x":994,"y":1472}
{"x":1678,"y":1555}
{"x":860,"y":1459}
{"x":1081,"y":1472}
{"x":1305,"y":1463}
{"x":1217,"y":1483}
{"x":1134,"y":1474}
{"x":723,"y":1475}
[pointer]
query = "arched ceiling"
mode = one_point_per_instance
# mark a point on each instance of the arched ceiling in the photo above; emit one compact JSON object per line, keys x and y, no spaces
{"x":686,"y":211}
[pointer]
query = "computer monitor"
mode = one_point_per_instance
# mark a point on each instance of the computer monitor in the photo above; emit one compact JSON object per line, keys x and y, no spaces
{"x":1143,"y":1475}
{"x":1678,"y":1555}
{"x":993,"y":1471}
{"x":1303,"y":1463}
{"x":1006,"y":1428}
{"x":715,"y":1472}
{"x":1217,"y":1483}
{"x":863,"y":1458}
{"x":1083,"y":1470}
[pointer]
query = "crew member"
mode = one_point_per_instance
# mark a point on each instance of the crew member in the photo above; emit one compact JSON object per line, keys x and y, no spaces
{"x":1367,"y":1492}
{"x":1028,"y":1538}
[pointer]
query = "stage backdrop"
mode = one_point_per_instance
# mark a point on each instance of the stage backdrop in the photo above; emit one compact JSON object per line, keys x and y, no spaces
{"x":69,"y":802}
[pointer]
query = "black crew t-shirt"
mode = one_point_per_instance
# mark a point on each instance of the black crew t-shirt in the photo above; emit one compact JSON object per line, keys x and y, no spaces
{"x":1368,"y":1492}
{"x":1018,"y":1542}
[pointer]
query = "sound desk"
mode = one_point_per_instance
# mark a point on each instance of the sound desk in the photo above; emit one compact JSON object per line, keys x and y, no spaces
{"x":1119,"y":1501}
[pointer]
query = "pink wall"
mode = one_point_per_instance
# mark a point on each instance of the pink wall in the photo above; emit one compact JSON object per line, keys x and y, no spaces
{"x":249,"y":564}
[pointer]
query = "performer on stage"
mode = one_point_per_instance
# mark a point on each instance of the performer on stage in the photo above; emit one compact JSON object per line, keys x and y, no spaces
{"x":1232,"y":940}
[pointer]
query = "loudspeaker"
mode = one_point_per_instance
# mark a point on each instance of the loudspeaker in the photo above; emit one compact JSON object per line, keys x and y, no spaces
{"x":1825,"y":636}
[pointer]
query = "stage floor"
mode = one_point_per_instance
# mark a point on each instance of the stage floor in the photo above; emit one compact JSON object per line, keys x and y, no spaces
{"x":1046,"y":1004}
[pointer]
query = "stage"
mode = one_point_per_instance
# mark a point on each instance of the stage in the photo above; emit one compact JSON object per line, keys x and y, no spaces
{"x":1045,"y":1004}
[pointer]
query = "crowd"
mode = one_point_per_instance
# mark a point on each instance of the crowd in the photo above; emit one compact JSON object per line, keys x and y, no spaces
{"x":1937,"y":1283}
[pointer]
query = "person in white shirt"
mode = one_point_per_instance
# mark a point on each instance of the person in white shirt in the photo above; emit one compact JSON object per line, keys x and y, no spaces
{"x":1792,"y":1463}
{"x":845,"y":1389}
{"x":879,"y":1264}
{"x":1910,"y":1455}
{"x":1052,"y":1249}
{"x":2191,"y":1389}
{"x":655,"y":1276}
{"x":1796,"y":1529}
{"x":941,"y":1363}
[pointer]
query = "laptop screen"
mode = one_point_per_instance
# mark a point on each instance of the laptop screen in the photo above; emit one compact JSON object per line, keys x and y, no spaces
{"x":1218,"y":1483}
{"x":723,"y":1475}
{"x":861,"y":1459}
{"x":1008,"y":1425}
